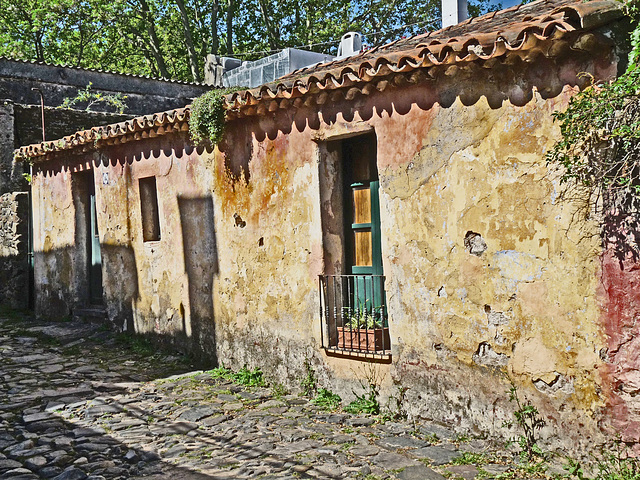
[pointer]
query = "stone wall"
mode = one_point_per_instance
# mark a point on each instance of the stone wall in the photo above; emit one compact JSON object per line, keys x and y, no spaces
{"x":21,"y":124}
{"x":59,"y":122}
{"x":7,"y":144}
{"x":144,"y":95}
{"x":14,"y":266}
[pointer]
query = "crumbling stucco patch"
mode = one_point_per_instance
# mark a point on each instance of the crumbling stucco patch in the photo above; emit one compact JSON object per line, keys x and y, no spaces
{"x":554,"y":383}
{"x":485,"y":355}
{"x":475,"y":244}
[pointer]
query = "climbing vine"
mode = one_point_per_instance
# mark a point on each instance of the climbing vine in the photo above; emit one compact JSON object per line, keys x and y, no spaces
{"x":207,"y":120}
{"x":117,"y":101}
{"x":599,"y":151}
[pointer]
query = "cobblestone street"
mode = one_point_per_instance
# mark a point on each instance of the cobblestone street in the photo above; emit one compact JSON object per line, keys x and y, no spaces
{"x":77,"y":403}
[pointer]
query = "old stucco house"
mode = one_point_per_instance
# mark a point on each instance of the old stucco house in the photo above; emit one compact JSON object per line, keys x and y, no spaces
{"x":389,"y":211}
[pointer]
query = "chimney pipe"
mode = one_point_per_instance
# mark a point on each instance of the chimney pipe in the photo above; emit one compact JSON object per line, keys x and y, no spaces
{"x":453,"y":12}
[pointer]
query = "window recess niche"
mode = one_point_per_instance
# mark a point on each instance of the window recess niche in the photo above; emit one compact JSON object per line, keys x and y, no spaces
{"x":149,"y":212}
{"x":353,"y":304}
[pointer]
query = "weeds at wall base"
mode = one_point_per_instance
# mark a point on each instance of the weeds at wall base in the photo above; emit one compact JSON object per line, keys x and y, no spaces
{"x":326,"y":399}
{"x":528,"y":419}
{"x":244,"y":376}
{"x":309,"y":383}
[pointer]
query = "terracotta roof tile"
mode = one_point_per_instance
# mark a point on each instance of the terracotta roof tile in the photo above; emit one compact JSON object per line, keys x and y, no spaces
{"x":146,"y":126}
{"x":515,"y":30}
{"x":519,"y":31}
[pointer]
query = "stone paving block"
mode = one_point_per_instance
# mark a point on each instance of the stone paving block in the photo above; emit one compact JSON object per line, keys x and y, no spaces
{"x":418,"y":472}
{"x":198,"y":413}
{"x":37,"y":417}
{"x":441,"y":432}
{"x":20,"y":474}
{"x":50,"y":472}
{"x":359,"y":421}
{"x":393,"y":461}
{"x":437,"y":454}
{"x":495,"y":469}
{"x":8,"y":464}
{"x":468,"y":472}
{"x":71,"y":474}
{"x":401,"y":442}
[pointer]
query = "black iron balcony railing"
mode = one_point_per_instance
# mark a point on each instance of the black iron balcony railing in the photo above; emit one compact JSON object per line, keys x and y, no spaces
{"x":354,"y":313}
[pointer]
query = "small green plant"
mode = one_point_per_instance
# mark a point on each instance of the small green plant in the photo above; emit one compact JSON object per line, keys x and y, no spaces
{"x":326,"y":399}
{"x":470,"y":458}
{"x":49,"y":340}
{"x":432,"y":438}
{"x":279,"y":390}
{"x":395,"y":404}
{"x":574,"y":469}
{"x":136,"y":343}
{"x":249,"y":378}
{"x":308,"y":382}
{"x":207,"y":119}
{"x":362,"y":318}
{"x":529,"y":420}
{"x":105,"y":327}
{"x":367,"y":402}
{"x":73,"y":351}
{"x":113,"y":100}
{"x":221,"y":372}
{"x":617,"y":463}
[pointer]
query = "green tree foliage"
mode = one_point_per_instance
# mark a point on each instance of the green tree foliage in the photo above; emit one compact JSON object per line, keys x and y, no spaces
{"x":171,"y":38}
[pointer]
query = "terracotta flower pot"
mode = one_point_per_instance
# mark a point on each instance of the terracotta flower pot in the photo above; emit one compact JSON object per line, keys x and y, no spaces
{"x":360,"y":339}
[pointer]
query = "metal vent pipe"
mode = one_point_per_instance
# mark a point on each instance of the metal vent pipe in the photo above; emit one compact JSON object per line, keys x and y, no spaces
{"x":453,"y":12}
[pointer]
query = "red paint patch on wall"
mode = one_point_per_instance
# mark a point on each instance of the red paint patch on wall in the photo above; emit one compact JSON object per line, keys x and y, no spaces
{"x":620,"y":293}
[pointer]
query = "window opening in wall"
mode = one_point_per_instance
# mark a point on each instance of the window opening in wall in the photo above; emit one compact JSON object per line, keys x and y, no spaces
{"x":353,"y":310}
{"x":149,"y":209}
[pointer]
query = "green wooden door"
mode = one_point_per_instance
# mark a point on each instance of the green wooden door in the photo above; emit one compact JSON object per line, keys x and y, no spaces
{"x":362,"y":229}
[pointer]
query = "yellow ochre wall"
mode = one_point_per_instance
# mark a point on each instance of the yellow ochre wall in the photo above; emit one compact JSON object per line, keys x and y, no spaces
{"x":234,"y":278}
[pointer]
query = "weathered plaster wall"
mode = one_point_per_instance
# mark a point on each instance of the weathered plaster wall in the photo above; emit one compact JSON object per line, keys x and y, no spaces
{"x":486,"y":277}
{"x":484,"y":274}
{"x":14,"y":268}
{"x":59,"y":263}
{"x":168,"y":287}
{"x":162,"y":288}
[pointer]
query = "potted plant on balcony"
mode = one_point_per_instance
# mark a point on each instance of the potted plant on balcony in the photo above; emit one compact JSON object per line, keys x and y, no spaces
{"x":363,"y":330}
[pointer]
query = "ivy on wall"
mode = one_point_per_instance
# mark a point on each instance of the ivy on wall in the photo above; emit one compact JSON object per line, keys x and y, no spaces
{"x":599,"y":152}
{"x":207,"y":120}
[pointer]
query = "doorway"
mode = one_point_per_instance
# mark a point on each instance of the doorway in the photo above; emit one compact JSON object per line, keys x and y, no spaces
{"x":87,"y":234}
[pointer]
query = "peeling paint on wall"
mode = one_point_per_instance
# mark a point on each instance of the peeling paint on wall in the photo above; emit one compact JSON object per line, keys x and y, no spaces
{"x":485,"y":278}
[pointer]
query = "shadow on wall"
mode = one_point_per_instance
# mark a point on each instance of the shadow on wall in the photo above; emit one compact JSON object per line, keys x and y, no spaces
{"x":201,"y":264}
{"x":56,"y":295}
{"x":121,"y":269}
